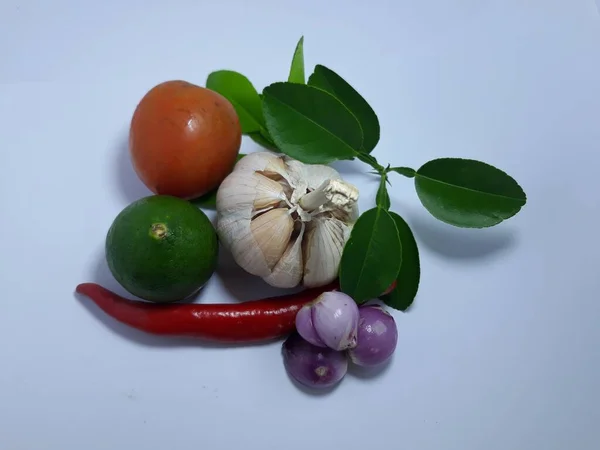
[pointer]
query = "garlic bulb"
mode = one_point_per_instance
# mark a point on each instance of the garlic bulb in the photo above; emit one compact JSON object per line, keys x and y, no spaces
{"x":286,"y":221}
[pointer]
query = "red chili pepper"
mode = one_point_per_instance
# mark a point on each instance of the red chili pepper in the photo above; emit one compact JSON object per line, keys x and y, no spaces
{"x":252,"y":321}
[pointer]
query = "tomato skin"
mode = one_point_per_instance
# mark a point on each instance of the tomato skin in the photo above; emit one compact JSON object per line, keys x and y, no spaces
{"x":183,"y":139}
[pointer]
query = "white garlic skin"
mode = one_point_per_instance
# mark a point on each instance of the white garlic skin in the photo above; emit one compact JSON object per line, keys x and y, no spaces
{"x":285,"y":221}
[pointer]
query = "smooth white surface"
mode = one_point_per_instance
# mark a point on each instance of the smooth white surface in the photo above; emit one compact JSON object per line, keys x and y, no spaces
{"x":501,"y":349}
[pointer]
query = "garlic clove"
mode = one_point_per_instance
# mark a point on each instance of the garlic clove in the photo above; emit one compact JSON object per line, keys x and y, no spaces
{"x":272,"y":232}
{"x":256,"y":245}
{"x":313,"y":175}
{"x":258,"y":161}
{"x":236,"y":236}
{"x":270,"y":164}
{"x":249,"y":190}
{"x":323,"y":245}
{"x":267,"y":192}
{"x":287,"y":273}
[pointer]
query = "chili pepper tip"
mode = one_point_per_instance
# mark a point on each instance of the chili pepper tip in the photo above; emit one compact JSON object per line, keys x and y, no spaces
{"x":83,"y":288}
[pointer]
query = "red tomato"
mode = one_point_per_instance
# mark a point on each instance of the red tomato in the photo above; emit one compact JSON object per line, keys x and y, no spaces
{"x":183,"y":139}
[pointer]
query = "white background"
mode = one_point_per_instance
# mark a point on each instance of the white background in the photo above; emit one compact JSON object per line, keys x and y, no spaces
{"x":501,"y":350}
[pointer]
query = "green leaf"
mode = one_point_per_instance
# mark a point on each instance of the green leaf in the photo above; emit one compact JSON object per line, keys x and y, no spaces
{"x":383,"y":198}
{"x":407,"y":282}
{"x":331,"y":82}
{"x":309,"y":124}
{"x":236,"y":88}
{"x":209,"y":200}
{"x":372,"y":256}
{"x":262,"y":141}
{"x":297,"y":68}
{"x":468,"y":193}
{"x":406,"y":171}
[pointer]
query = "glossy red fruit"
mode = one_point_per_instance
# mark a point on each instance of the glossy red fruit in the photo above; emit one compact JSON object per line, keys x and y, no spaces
{"x":183,"y":139}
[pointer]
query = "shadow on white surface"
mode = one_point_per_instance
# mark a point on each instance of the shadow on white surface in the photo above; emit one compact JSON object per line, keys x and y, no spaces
{"x":130,"y":186}
{"x":461,"y":243}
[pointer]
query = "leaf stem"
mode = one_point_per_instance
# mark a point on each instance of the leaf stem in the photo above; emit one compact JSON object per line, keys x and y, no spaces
{"x":370,"y":160}
{"x":406,"y":171}
{"x":383,"y":198}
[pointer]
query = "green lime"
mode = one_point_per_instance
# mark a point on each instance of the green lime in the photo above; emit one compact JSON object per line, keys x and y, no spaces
{"x":162,"y":248}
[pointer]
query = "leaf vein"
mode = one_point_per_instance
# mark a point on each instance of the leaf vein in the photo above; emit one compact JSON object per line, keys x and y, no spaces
{"x":315,"y":123}
{"x":362,"y":268}
{"x":516,"y":199}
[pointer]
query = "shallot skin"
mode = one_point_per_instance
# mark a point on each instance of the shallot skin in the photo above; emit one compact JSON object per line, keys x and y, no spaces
{"x":305,"y":327}
{"x":331,"y":320}
{"x":312,"y":366}
{"x":377,"y":337}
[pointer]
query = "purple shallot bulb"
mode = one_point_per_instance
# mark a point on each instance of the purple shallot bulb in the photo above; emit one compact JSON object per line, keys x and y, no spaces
{"x":329,"y":321}
{"x":312,"y":366}
{"x":377,"y":337}
{"x":305,"y":327}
